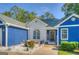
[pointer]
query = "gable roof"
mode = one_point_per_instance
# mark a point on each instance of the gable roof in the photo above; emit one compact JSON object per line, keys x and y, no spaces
{"x":67,"y":19}
{"x":35,"y":20}
{"x":10,"y":21}
{"x":49,"y":22}
{"x":52,"y":22}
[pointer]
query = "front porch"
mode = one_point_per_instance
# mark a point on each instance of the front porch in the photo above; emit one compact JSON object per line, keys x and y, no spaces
{"x":51,"y":36}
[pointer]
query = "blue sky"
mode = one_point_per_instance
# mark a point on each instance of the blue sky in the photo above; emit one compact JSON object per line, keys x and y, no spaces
{"x":54,"y":8}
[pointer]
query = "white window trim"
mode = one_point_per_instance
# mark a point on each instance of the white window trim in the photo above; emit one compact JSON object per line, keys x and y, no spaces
{"x":36,"y":35}
{"x":61,"y":33}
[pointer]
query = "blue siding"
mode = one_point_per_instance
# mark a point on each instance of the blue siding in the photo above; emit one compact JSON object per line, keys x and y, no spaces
{"x":16,"y":35}
{"x":73,"y":33}
{"x":3,"y":36}
{"x":3,"y":33}
{"x":70,"y":22}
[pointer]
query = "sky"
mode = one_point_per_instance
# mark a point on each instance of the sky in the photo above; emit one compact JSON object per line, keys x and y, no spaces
{"x":39,"y":8}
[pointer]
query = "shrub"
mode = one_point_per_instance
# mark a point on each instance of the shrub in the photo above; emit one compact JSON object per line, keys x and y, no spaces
{"x":29,"y":44}
{"x":78,"y":44}
{"x":68,"y":46}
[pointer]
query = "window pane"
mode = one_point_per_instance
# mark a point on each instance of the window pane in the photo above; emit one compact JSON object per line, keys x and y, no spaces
{"x":64,"y":34}
{"x":34,"y":37}
{"x":38,"y":37}
{"x":36,"y":34}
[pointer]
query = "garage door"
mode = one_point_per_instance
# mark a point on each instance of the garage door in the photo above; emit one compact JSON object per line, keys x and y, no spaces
{"x":0,"y":36}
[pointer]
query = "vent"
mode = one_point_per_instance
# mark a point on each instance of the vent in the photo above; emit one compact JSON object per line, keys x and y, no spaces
{"x":73,"y":19}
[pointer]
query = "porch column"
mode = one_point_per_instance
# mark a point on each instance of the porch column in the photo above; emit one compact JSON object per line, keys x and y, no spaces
{"x":6,"y":35}
{"x":57,"y":37}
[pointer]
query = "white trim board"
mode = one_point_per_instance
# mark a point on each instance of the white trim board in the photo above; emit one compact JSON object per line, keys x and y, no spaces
{"x":37,"y":19}
{"x":67,"y":19}
{"x":1,"y":36}
{"x":51,"y":28}
{"x":6,"y":35}
{"x":57,"y":36}
{"x":9,"y":24}
{"x":68,"y":25}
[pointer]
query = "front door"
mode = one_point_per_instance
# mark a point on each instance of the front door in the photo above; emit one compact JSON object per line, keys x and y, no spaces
{"x":51,"y":36}
{"x":0,"y":36}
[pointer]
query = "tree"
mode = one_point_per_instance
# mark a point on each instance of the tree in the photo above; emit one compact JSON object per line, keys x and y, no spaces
{"x":70,"y":8}
{"x":20,"y":14}
{"x":7,"y":14}
{"x":32,"y":15}
{"x":42,"y":17}
{"x":47,"y":15}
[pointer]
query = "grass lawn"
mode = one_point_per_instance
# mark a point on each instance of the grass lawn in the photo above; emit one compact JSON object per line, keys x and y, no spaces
{"x":60,"y":52}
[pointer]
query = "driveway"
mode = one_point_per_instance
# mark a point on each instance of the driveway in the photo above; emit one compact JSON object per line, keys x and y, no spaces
{"x":46,"y":50}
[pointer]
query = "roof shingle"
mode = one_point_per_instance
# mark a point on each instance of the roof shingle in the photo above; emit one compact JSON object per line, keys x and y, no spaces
{"x":12,"y":21}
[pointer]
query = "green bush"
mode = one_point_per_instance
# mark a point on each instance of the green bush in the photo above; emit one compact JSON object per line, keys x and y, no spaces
{"x":68,"y":46}
{"x":78,"y":44}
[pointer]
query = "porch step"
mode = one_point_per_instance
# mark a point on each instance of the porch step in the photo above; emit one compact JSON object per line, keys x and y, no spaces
{"x":51,"y":42}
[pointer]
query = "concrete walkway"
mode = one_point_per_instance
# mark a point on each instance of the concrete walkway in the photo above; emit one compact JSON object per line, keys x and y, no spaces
{"x":46,"y":50}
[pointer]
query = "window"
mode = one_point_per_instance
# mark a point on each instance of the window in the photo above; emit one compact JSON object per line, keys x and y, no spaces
{"x":64,"y":34}
{"x":73,"y":19}
{"x":36,"y":34}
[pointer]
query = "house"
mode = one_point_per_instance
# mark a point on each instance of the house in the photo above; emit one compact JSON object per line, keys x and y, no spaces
{"x":12,"y":32}
{"x":50,"y":31}
{"x":43,"y":30}
{"x":68,"y":29}
{"x":53,"y":32}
